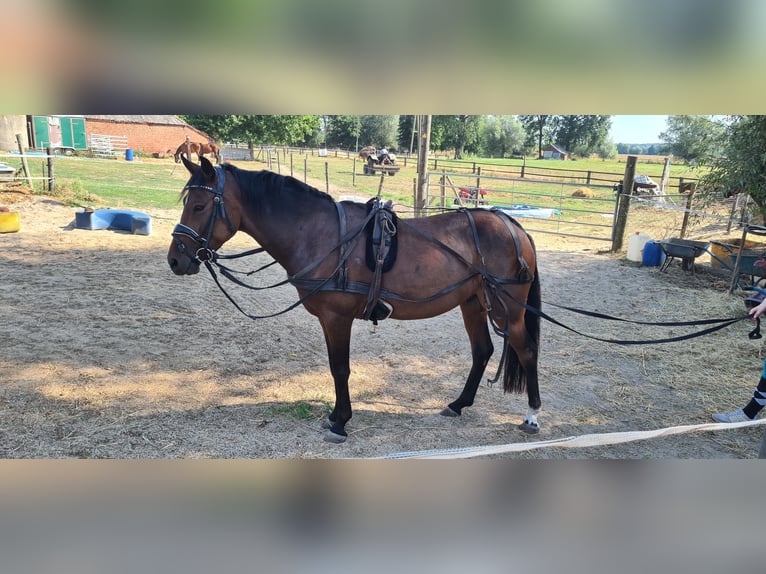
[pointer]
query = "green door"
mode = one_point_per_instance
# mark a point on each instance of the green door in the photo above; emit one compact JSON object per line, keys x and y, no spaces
{"x":79,"y":141}
{"x":66,"y":132}
{"x":42,"y":135}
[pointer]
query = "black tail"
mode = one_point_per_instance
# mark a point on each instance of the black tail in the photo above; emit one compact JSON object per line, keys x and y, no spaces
{"x":514,"y":377}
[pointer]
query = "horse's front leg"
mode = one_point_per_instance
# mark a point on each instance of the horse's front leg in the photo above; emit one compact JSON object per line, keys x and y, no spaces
{"x":337,"y":334}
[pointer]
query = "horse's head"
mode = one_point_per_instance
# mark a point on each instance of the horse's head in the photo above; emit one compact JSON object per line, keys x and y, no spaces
{"x":209,"y":219}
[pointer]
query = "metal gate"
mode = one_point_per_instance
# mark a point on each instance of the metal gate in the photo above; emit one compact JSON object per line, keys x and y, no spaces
{"x":545,"y":206}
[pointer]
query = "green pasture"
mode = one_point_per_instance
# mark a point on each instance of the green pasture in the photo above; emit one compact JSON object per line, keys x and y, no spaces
{"x":147,"y":182}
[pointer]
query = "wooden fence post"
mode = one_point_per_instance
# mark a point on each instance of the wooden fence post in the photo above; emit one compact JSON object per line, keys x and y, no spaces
{"x":24,"y":164}
{"x":623,"y":203}
{"x":291,"y":164}
{"x":49,"y":150}
{"x":685,"y":223}
{"x":478,"y":187}
{"x":665,"y":175}
{"x":443,"y":189}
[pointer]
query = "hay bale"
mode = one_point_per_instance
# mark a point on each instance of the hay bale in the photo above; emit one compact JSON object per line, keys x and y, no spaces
{"x":583,"y":192}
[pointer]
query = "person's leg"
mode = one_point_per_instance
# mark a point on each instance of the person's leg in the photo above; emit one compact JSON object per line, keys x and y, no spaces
{"x":752,"y":408}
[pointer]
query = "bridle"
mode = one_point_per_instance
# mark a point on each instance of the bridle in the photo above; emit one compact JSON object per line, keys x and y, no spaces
{"x":204,"y":253}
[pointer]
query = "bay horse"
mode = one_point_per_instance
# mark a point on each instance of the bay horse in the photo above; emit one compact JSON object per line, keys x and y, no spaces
{"x":477,"y":259}
{"x":199,"y":148}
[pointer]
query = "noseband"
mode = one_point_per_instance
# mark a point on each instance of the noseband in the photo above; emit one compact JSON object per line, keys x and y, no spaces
{"x":204,"y":253}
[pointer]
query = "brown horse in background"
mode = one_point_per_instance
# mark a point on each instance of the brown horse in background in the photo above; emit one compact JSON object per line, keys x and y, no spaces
{"x":477,"y":259}
{"x":200,"y":149}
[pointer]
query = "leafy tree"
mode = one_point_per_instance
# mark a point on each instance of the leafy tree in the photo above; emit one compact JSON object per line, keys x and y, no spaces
{"x":606,"y":150}
{"x":218,"y":127}
{"x":279,"y":129}
{"x":537,"y":129}
{"x":459,"y":132}
{"x":581,"y":134}
{"x":695,"y":139}
{"x":343,"y":131}
{"x":741,"y":167}
{"x":501,"y":135}
{"x":405,"y":139}
{"x":257,"y":129}
{"x":380,"y":131}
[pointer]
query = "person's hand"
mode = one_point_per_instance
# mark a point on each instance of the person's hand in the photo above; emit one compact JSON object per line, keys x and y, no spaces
{"x":758,"y":310}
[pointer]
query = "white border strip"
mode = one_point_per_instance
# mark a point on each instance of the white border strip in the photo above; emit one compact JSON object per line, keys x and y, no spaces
{"x":582,"y":441}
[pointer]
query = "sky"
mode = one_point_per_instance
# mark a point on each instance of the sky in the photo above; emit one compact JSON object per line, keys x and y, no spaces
{"x":637,"y":129}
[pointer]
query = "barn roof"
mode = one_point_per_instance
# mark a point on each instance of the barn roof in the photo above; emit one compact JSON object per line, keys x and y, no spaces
{"x":557,"y":148}
{"x":160,"y":120}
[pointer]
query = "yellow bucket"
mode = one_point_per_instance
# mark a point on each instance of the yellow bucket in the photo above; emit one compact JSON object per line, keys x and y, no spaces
{"x":9,"y":221}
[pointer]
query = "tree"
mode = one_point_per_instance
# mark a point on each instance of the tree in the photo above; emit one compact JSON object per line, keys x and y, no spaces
{"x":257,"y":129}
{"x":279,"y":129}
{"x":581,"y":135}
{"x":380,"y":131}
{"x":694,"y":139}
{"x":537,"y":129}
{"x":460,"y":132}
{"x":741,"y":167}
{"x":405,"y":136}
{"x":607,"y":150}
{"x":343,"y":131}
{"x":501,"y":135}
{"x":218,"y":127}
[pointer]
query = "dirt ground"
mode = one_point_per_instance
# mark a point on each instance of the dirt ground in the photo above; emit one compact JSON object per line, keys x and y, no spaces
{"x":106,"y":354}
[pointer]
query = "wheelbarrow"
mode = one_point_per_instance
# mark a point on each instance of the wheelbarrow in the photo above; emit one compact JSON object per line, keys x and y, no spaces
{"x":684,"y":249}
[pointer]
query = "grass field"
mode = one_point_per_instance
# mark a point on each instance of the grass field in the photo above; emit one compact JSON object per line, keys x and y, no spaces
{"x":148,"y":182}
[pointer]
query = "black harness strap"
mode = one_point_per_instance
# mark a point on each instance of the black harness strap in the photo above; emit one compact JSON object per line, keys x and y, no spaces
{"x":383,"y":232}
{"x":342,"y":279}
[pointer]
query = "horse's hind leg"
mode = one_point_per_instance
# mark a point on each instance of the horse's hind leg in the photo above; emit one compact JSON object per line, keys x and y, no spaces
{"x":475,"y":321}
{"x":521,"y":370}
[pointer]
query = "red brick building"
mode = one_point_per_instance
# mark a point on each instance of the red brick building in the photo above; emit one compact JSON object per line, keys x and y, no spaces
{"x":147,"y":134}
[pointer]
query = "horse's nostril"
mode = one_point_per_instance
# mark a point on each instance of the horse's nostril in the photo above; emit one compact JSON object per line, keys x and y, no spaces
{"x":173,"y":262}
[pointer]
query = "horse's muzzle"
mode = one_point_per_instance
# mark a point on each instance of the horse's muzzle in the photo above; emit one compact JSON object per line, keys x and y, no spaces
{"x":182,"y":264}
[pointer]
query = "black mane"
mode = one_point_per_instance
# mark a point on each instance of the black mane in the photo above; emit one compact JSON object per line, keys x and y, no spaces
{"x":294,"y":192}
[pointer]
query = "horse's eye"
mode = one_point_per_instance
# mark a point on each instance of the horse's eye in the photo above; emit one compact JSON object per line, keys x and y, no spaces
{"x":199,"y":208}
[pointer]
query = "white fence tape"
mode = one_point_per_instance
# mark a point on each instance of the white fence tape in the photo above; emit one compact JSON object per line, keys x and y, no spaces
{"x":582,"y":441}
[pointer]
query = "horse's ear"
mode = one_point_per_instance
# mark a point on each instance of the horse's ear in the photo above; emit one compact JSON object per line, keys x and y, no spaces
{"x":190,"y":165}
{"x":207,"y":167}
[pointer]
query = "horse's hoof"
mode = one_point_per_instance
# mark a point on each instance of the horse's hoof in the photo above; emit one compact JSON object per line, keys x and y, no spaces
{"x":448,"y":412}
{"x":334,"y":438}
{"x":529,"y":428}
